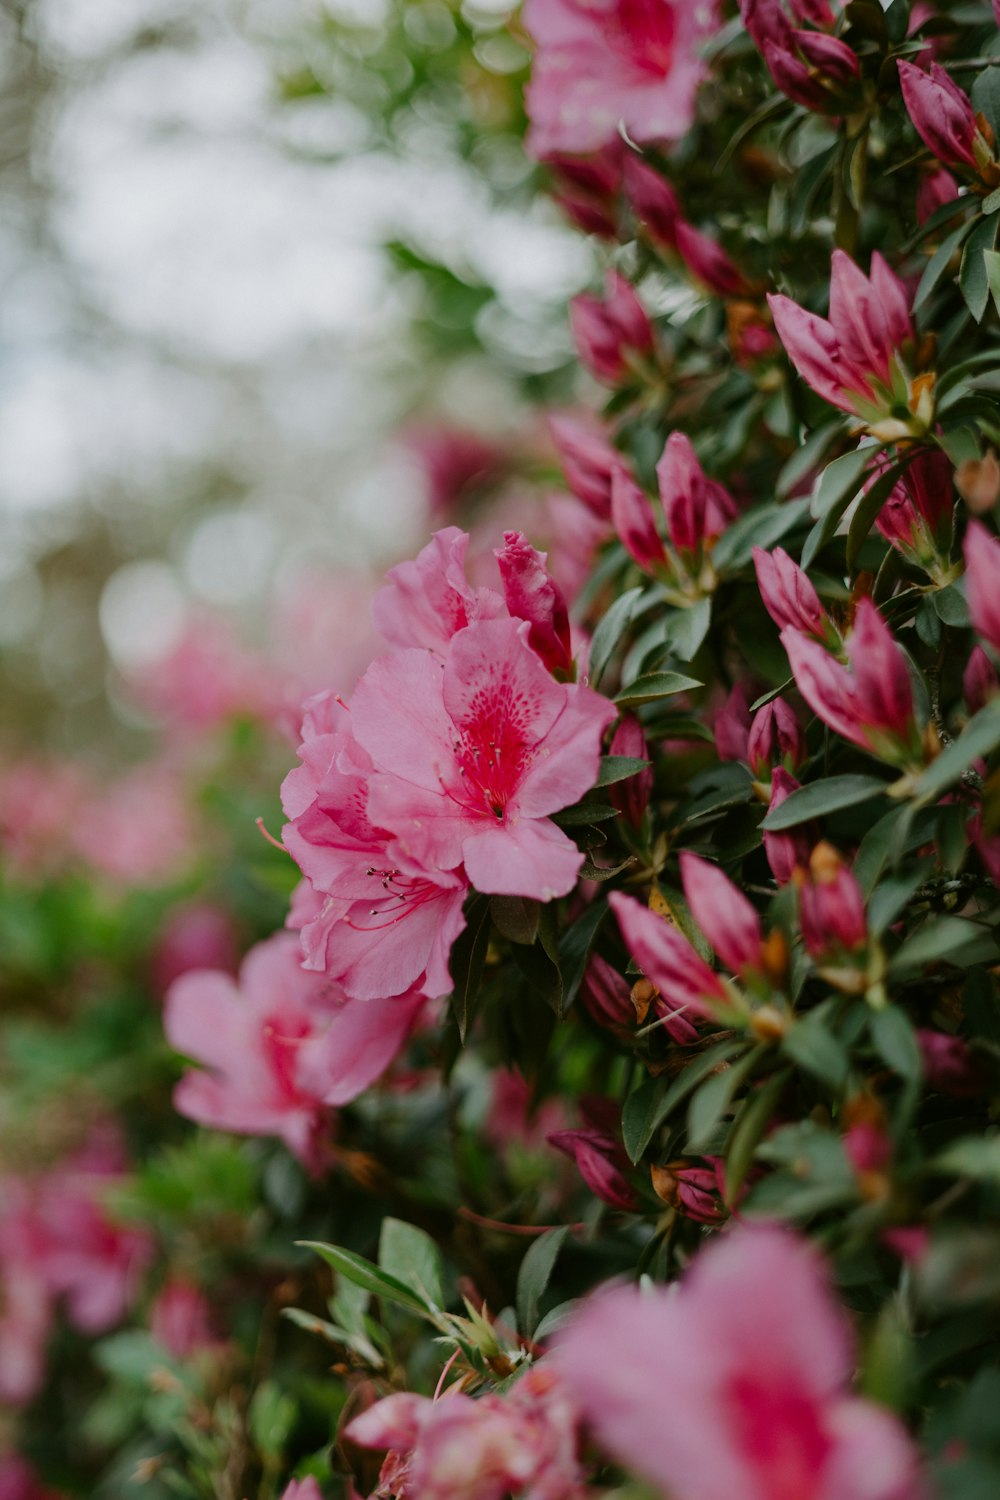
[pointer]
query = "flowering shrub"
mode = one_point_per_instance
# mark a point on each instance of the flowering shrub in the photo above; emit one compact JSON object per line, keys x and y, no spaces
{"x":617,"y":1034}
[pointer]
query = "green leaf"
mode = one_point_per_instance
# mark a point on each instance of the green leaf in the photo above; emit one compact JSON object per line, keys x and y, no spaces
{"x":410,"y":1256}
{"x":895,"y":1042}
{"x":748,"y":1131}
{"x":694,"y":1073}
{"x":641,"y":1116}
{"x":542,"y":974}
{"x":534,"y":1276}
{"x":807,"y":455}
{"x":985,"y":96}
{"x":516,"y":917}
{"x":973,"y":1156}
{"x":271,"y":1417}
{"x":891,"y":895}
{"x":950,"y":940}
{"x":649,"y":689}
{"x":615,"y":768}
{"x":584,"y":814}
{"x":713,"y":1098}
{"x":812,"y":1045}
{"x":878,"y":847}
{"x":979,"y":738}
{"x":939,"y":263}
{"x":574,"y":948}
{"x":467,"y":961}
{"x":685,"y":629}
{"x":609,"y":632}
{"x":838,"y":484}
{"x":364,"y":1274}
{"x":972,"y":277}
{"x":764,"y":526}
{"x":832,"y":794}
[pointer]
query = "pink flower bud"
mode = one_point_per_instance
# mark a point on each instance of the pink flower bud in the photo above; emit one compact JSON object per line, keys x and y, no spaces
{"x":867,"y":1147}
{"x":786,"y":852}
{"x":653,"y":200}
{"x":775,"y":738}
{"x":788,"y":594}
{"x":732,"y":724}
{"x":532,"y":594}
{"x":181,"y":1319}
{"x":602,"y":1163}
{"x":767,"y":23}
{"x":831,"y":907}
{"x":980,"y":682}
{"x":942,"y":114}
{"x":916,"y":519}
{"x":667,"y":959}
{"x":723,"y":913}
{"x":587,"y":188}
{"x":631,"y":796}
{"x":695,"y":1192}
{"x":708,"y":262}
{"x":850,"y":358}
{"x":949,"y":1066}
{"x":870,"y":702}
{"x":607,"y":997}
{"x":588,"y":459}
{"x":937,"y":187}
{"x":982,"y":582}
{"x":632,"y":517}
{"x":611,"y":333}
{"x":698,"y":510}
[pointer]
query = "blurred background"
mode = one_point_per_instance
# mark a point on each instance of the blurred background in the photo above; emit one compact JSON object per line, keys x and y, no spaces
{"x":274,"y":286}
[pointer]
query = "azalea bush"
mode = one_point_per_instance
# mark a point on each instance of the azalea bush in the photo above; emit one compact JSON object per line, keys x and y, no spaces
{"x":588,"y":1082}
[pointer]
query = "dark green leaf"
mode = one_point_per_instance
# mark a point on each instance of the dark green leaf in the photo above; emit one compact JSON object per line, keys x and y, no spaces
{"x":584,"y":814}
{"x":615,"y":768}
{"x":748,"y":1131}
{"x":950,"y":940}
{"x":641,"y":1115}
{"x":516,"y":917}
{"x":534,"y":1275}
{"x":609,"y":632}
{"x":575,"y":946}
{"x":972,"y":278}
{"x":806,"y":456}
{"x":979,"y":738}
{"x":939,"y":263}
{"x":985,"y":96}
{"x":830,"y":795}
{"x":895,"y":1042}
{"x":871,"y":502}
{"x":542,"y":974}
{"x":364,"y":1274}
{"x":411,"y":1257}
{"x":713,"y":1098}
{"x":686,"y":629}
{"x":650,"y":688}
{"x":468,"y":958}
{"x":812,"y":1045}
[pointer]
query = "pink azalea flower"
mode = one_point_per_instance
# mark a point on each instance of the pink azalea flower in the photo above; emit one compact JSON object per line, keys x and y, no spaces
{"x":737,"y":1383}
{"x":629,"y":62}
{"x":428,"y":598}
{"x":611,"y":333}
{"x":205,"y":678}
{"x":194,"y":936}
{"x":982,"y":582}
{"x":380,"y":923}
{"x":476,"y":754}
{"x":870,"y":701}
{"x":87,"y":1257}
{"x":856,"y":359}
{"x":523,"y":1444}
{"x":40,"y":803}
{"x":455,"y":463}
{"x":532,"y":594}
{"x":695,"y":1192}
{"x":632,"y":518}
{"x":282,"y":1046}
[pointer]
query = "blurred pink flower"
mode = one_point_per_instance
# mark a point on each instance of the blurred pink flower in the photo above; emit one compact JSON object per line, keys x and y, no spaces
{"x":786,"y":852}
{"x":514,"y":1118}
{"x":206,"y":678}
{"x":629,"y":62}
{"x":40,"y":803}
{"x":612,"y":333}
{"x":588,"y":458}
{"x":140,"y":830}
{"x":937,"y":187}
{"x":737,"y":1382}
{"x":281,"y":1046}
{"x":982,"y":582}
{"x":196,"y":935}
{"x":708,"y":262}
{"x":523,"y":1444}
{"x":181,"y":1319}
{"x":831,"y":908}
{"x":18,"y":1480}
{"x":455,"y":463}
{"x":632,"y":795}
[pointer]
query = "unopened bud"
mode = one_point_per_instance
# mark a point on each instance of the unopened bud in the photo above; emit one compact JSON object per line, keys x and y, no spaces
{"x":978,"y":482}
{"x":769,"y":1024}
{"x":643,"y":995}
{"x":774,"y":958}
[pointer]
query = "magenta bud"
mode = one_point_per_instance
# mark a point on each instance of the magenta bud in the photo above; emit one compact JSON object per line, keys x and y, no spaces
{"x":632,"y":517}
{"x":775,"y":738}
{"x":949,"y":1066}
{"x":831,"y":907}
{"x":632,"y":795}
{"x":788,"y":594}
{"x":610,"y":333}
{"x":723,"y":913}
{"x":601,"y":1161}
{"x":607,"y":997}
{"x":786,"y":852}
{"x":532,"y":594}
{"x":942,"y":114}
{"x":980,"y":682}
{"x":708,"y":262}
{"x":982,"y":582}
{"x":697,"y":509}
{"x":653,"y":200}
{"x":588,"y":460}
